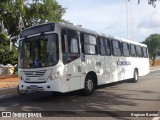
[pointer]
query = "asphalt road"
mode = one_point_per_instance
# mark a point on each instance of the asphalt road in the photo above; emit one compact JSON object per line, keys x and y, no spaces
{"x":123,"y":96}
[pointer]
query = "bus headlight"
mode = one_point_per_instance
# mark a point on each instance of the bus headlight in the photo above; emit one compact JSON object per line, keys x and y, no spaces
{"x":54,"y":76}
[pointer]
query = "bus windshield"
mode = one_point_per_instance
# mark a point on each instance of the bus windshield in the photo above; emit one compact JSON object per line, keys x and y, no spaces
{"x":39,"y":51}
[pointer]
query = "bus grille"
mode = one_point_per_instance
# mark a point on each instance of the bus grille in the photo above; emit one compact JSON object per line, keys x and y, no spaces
{"x":34,"y":73}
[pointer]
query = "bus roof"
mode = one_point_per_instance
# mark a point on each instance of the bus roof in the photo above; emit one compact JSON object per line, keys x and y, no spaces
{"x":125,"y":40}
{"x":79,"y":28}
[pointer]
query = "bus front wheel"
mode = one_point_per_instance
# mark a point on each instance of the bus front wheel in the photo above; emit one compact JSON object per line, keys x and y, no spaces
{"x":89,"y":85}
{"x":21,"y":92}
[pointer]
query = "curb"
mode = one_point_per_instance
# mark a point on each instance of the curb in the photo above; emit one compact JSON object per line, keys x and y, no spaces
{"x":8,"y":88}
{"x":8,"y":91}
{"x":154,"y":69}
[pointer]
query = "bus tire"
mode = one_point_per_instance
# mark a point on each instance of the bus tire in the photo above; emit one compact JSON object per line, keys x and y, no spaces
{"x":89,"y":86}
{"x":21,"y":92}
{"x":135,"y":76}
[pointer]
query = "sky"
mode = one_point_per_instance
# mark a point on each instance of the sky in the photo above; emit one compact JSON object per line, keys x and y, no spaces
{"x":113,"y":17}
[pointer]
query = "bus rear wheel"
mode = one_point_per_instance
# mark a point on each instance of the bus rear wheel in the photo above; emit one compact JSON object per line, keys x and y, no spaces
{"x":135,"y":76}
{"x":89,"y":86}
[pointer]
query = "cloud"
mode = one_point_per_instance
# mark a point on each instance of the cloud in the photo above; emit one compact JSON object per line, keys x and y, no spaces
{"x":145,"y":31}
{"x":109,"y":16}
{"x":151,"y":21}
{"x":150,"y":24}
{"x":98,"y":17}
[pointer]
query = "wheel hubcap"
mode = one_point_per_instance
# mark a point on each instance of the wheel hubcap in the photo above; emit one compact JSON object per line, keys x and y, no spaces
{"x":90,"y":85}
{"x":136,"y":76}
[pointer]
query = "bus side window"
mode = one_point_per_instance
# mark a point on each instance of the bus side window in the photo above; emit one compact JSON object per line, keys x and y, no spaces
{"x":70,"y":46}
{"x":89,"y":44}
{"x":116,"y":48}
{"x":142,"y":52}
{"x":133,"y":50}
{"x":101,"y":46}
{"x":139,"y":51}
{"x":64,"y":40}
{"x":73,"y":42}
{"x":74,"y":46}
{"x":145,"y":52}
{"x":125,"y":49}
{"x":108,"y":47}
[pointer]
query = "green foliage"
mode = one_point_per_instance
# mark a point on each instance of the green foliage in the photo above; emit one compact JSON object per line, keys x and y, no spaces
{"x":17,"y":14}
{"x":32,"y":13}
{"x":153,"y":43}
{"x":7,"y":56}
{"x":151,"y":2}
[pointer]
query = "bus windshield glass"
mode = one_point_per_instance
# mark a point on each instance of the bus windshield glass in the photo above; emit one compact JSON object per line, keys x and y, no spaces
{"x":39,"y":51}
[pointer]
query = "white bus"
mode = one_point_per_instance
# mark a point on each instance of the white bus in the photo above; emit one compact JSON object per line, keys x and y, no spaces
{"x":62,"y":57}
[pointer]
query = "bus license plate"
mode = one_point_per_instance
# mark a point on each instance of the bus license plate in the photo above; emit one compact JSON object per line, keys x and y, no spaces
{"x":33,"y":87}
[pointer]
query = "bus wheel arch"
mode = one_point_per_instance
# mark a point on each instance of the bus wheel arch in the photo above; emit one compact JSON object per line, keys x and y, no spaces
{"x":135,"y":75}
{"x":90,"y":83}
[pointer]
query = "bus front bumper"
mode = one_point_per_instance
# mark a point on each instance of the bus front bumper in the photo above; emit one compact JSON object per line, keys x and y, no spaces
{"x":55,"y":85}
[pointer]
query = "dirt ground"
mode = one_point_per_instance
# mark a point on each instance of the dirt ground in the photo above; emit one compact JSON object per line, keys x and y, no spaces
{"x":8,"y":81}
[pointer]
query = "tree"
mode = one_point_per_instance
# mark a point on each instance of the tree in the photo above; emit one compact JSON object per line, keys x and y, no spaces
{"x":20,"y":14}
{"x":42,"y":11}
{"x":151,"y":2}
{"x":7,"y":56}
{"x":153,"y":43}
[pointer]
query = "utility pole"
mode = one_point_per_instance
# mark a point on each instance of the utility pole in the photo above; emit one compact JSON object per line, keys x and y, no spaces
{"x":129,"y":20}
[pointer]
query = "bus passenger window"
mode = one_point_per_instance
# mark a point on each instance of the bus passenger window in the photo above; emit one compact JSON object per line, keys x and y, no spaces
{"x":133,"y":50}
{"x":63,"y":40}
{"x":139,"y":51}
{"x":70,"y":46}
{"x":89,"y":44}
{"x":116,"y":47}
{"x":108,"y":47}
{"x":145,"y":52}
{"x":101,"y":46}
{"x":142,"y":51}
{"x":126,"y":51}
{"x":74,"y":45}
